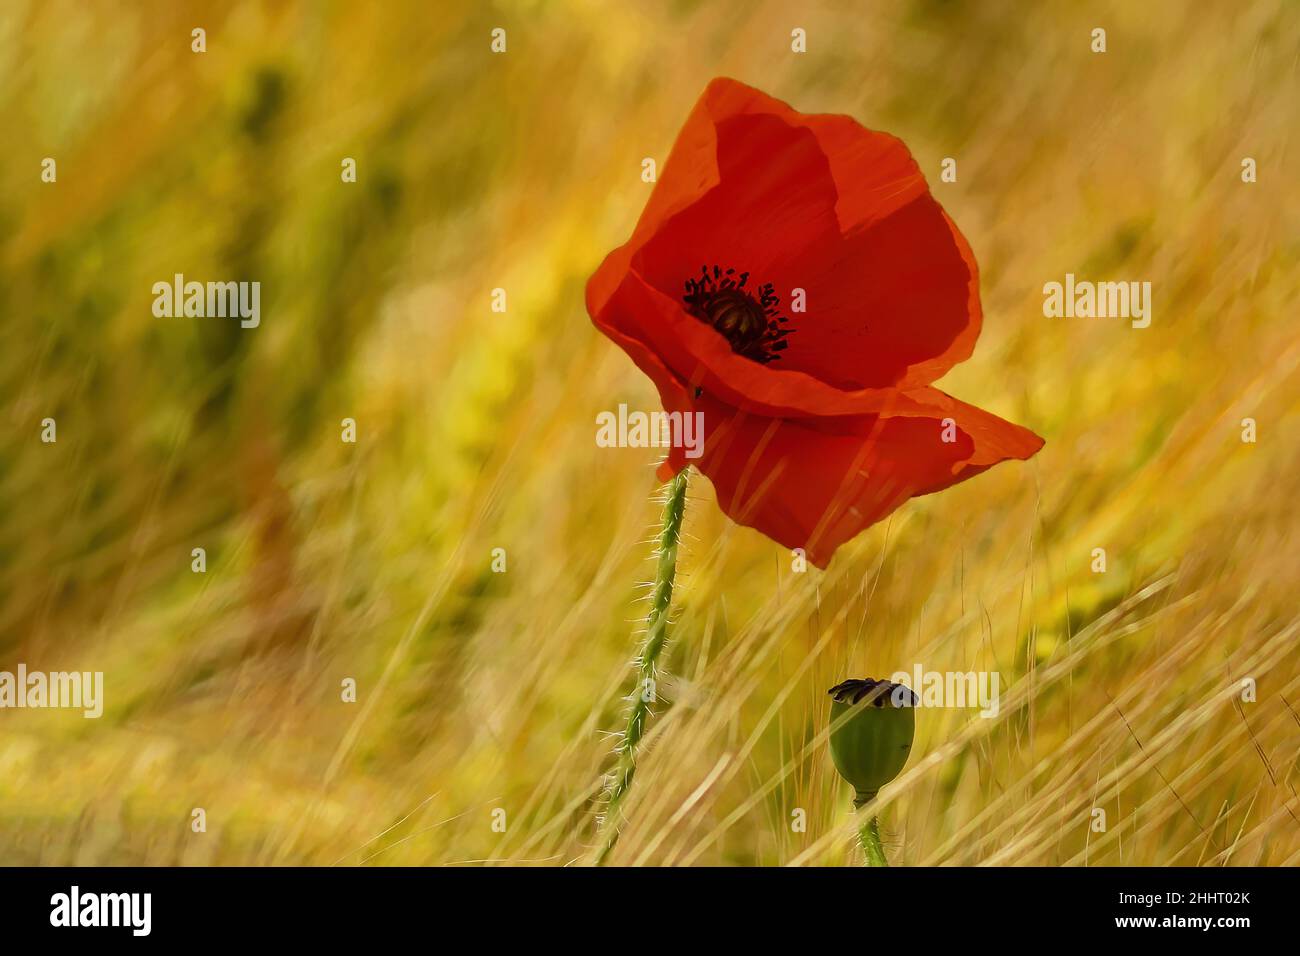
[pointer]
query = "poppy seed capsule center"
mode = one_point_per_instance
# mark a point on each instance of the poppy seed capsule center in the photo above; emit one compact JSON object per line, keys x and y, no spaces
{"x":748,"y":320}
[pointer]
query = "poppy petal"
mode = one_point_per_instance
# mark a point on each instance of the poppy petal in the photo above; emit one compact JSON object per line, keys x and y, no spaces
{"x":894,"y":304}
{"x":815,"y":202}
{"x":695,"y":355}
{"x":816,"y":483}
{"x":692,"y":168}
{"x":774,"y":198}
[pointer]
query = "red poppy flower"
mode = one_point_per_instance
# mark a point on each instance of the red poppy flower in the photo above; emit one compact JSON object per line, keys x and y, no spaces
{"x":792,"y":278}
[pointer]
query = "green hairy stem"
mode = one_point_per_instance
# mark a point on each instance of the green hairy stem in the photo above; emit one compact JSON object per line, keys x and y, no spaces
{"x":656,"y":637}
{"x":869,"y":837}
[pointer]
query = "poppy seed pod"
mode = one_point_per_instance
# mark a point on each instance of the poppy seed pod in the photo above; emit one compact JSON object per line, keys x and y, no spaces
{"x":872,"y":725}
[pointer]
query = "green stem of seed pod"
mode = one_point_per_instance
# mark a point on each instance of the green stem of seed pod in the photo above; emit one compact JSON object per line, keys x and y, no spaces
{"x":869,"y":831}
{"x":643,"y":695}
{"x":869,"y":836}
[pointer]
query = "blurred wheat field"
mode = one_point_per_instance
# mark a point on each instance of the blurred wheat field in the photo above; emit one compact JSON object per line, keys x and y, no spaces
{"x":480,"y":691}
